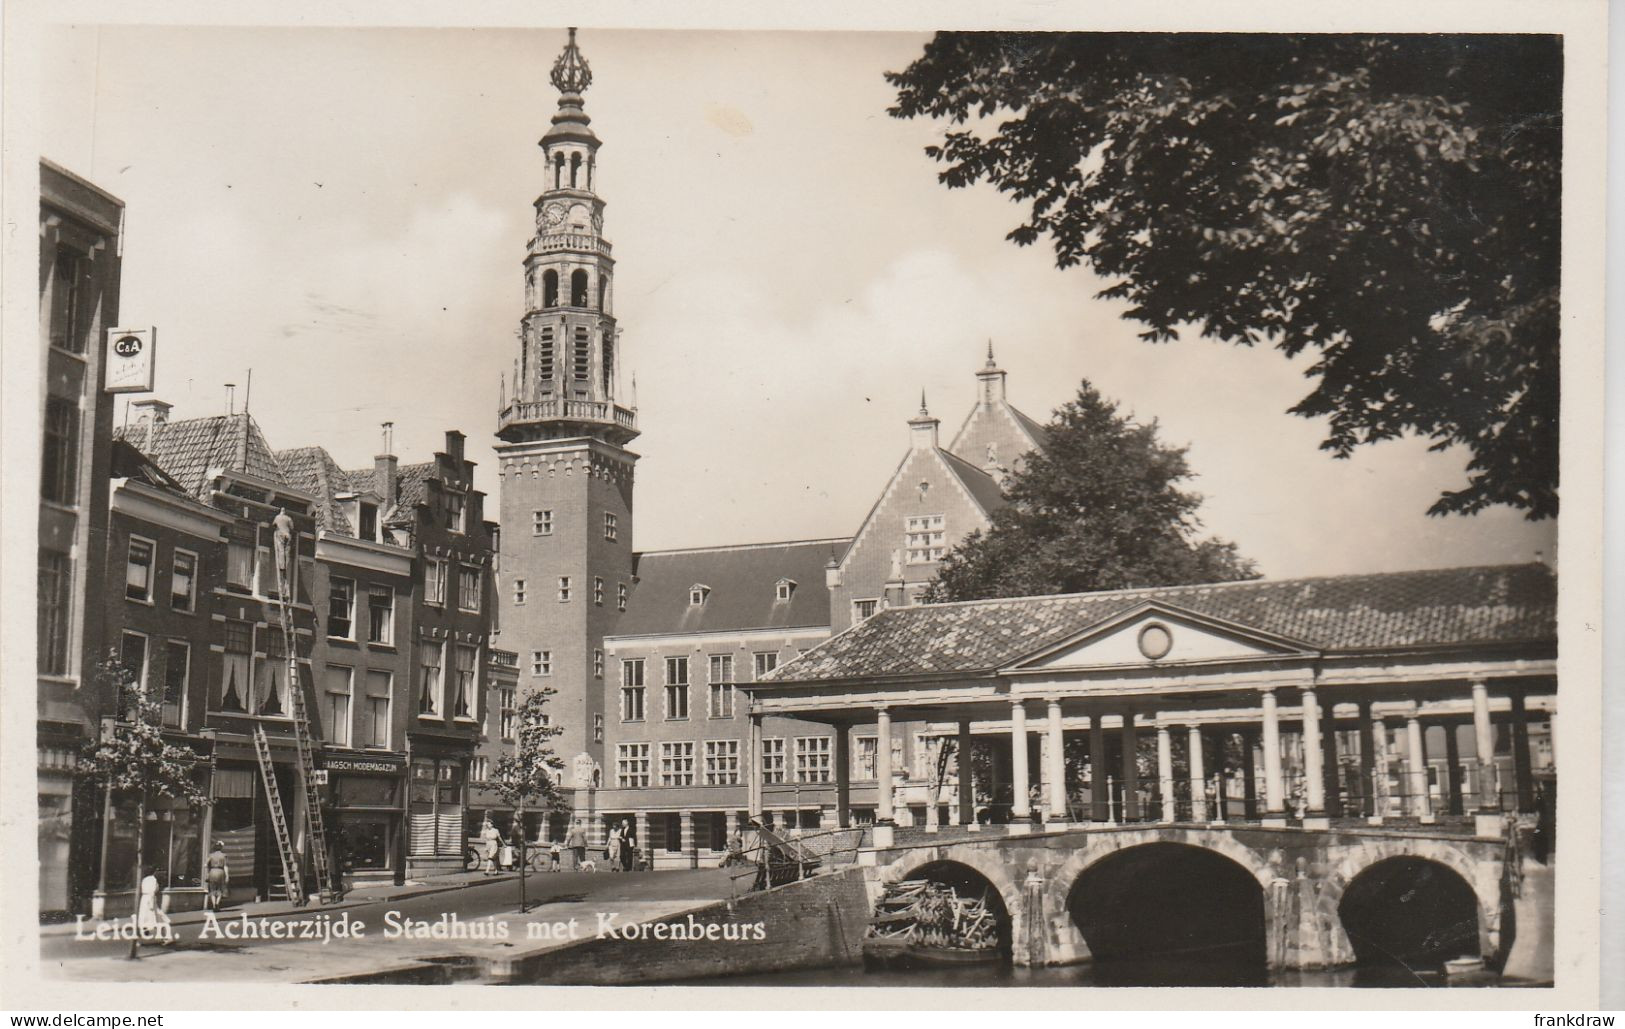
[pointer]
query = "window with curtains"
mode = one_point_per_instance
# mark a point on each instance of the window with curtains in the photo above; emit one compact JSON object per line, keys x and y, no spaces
{"x":468,"y":588}
{"x":429,"y":683}
{"x":337,"y":708}
{"x":240,"y":540}
{"x":238,"y":638}
{"x":138,"y":570}
{"x":183,"y":580}
{"x":434,"y":581}
{"x":467,"y":697}
{"x":375,"y":721}
{"x":381,"y":615}
{"x":177,"y":672}
{"x":341,"y":608}
{"x":271,"y":685}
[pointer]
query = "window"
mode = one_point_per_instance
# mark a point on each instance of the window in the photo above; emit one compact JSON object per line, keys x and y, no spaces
{"x":456,"y":512}
{"x":863,"y":610}
{"x":466,"y":698}
{"x":766,"y":661}
{"x":59,"y":468}
{"x":337,"y":706}
{"x":341,"y":608}
{"x":271,"y":673}
{"x":519,"y":591}
{"x":620,"y":596}
{"x":434,"y":581}
{"x":375,"y":730}
{"x":924,"y":539}
{"x":380,"y":614}
{"x":812,"y":758}
{"x":55,"y":611}
{"x":238,"y":638}
{"x":240,"y":540}
{"x":676,"y":687}
{"x":598,"y":728}
{"x":785,"y":589}
{"x":133,"y":659}
{"x":773,"y":760}
{"x":177,"y":672}
{"x":722,"y":686}
{"x":183,"y":580}
{"x":609,"y":527}
{"x":479,"y":768}
{"x":598,"y":591}
{"x":598,"y":664}
{"x":541,"y":523}
{"x":697,"y":594}
{"x":863,"y":757}
{"x":468,"y":588}
{"x":632,"y":765}
{"x":429,"y":656}
{"x":721,"y":762}
{"x":564,"y":589}
{"x":65,"y":318}
{"x":138,"y":571}
{"x":926,"y":749}
{"x":509,"y":713}
{"x":632,"y":690}
{"x":541,"y":662}
{"x":677,"y":763}
{"x":369,"y":521}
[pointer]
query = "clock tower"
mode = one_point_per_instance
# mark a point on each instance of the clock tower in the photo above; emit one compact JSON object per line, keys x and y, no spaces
{"x":566,"y":475}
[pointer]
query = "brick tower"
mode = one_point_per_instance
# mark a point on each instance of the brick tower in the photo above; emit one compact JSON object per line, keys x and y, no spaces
{"x":565,"y":471}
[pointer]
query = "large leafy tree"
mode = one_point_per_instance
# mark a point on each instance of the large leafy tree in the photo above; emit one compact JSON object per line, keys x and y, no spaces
{"x":1101,"y":507}
{"x":1391,"y":204}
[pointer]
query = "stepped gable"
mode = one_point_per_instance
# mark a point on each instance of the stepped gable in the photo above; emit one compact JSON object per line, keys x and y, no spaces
{"x":189,"y":448}
{"x":1435,"y":607}
{"x":742,"y":586}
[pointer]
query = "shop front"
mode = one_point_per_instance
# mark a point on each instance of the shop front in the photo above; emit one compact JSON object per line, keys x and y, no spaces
{"x":365,"y":800}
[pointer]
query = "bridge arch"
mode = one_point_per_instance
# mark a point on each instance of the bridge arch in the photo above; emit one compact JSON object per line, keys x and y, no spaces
{"x":986,"y":862}
{"x":1410,"y":912}
{"x":1480,"y":875}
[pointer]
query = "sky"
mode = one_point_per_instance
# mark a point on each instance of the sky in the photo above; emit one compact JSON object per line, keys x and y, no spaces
{"x":344,"y":211}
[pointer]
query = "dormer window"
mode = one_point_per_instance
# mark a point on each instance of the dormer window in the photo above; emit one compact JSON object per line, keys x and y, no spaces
{"x":697,"y":594}
{"x":369,"y":522}
{"x":784,"y":589}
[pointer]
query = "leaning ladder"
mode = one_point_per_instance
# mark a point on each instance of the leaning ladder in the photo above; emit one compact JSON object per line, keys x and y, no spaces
{"x":279,"y":821}
{"x":315,"y":830}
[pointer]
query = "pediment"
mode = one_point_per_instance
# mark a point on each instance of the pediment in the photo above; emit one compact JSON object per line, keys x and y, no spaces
{"x":1159,"y":634}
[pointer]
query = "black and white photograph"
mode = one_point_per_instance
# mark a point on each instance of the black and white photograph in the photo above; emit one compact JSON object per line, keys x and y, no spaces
{"x":978,"y":505}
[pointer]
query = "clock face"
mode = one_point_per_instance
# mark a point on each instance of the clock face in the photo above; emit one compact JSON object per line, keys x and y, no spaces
{"x":1156,"y":641}
{"x":554,"y":213}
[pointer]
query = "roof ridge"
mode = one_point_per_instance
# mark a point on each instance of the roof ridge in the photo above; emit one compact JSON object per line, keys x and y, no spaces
{"x":1232,"y":584}
{"x":745,"y":546}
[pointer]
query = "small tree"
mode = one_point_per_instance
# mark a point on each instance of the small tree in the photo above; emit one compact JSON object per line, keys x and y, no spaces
{"x":131,"y":758}
{"x":530,"y":775}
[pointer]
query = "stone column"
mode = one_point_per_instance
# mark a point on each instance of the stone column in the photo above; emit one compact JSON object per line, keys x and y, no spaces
{"x":1249,"y":775}
{"x":1521,"y":765}
{"x":1484,"y":738}
{"x":1421,"y":804}
{"x":1131,"y":770}
{"x":753,"y":793}
{"x":1099,"y":798}
{"x":843,"y":775}
{"x":1314,"y":770}
{"x":1198,"y":775}
{"x":1057,"y":765}
{"x":690,"y":855}
{"x":1368,"y":763}
{"x":883,"y":770}
{"x":1453,"y":778}
{"x":1221,"y":777}
{"x":1021,"y":806}
{"x":1165,"y":772}
{"x":1331,"y":770}
{"x":1274,"y":787}
{"x":967,"y":793}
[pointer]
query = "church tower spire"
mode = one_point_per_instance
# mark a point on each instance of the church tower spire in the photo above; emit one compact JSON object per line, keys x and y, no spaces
{"x":568,"y":345}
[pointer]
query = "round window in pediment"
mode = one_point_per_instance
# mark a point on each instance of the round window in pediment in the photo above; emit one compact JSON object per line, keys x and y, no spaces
{"x":1156,"y":641}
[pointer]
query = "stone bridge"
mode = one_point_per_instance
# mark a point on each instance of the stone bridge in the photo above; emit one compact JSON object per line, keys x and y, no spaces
{"x":1302,"y":876}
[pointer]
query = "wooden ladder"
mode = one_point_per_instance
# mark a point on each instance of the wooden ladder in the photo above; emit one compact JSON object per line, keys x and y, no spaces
{"x":316,"y":832}
{"x":279,"y":821}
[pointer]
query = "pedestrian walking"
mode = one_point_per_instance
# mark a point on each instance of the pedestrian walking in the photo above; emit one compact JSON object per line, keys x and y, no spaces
{"x":493,"y":841}
{"x":612,"y":849}
{"x":577,"y":842}
{"x":218,"y":874}
{"x":151,"y":922}
{"x":629,"y":846}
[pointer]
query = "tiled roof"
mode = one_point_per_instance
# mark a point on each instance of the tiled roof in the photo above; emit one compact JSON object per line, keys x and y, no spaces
{"x":313,"y":470}
{"x":743,"y":588}
{"x":410,"y":490}
{"x":189,"y":448}
{"x":1039,"y":433}
{"x":981,"y":486}
{"x":1507,"y":603}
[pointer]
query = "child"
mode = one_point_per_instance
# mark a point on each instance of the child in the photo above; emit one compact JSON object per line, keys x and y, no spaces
{"x":553,"y":853}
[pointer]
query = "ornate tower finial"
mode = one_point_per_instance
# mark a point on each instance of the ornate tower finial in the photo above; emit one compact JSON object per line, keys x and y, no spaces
{"x":923,"y":410}
{"x":570,"y":72}
{"x":990,"y":362}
